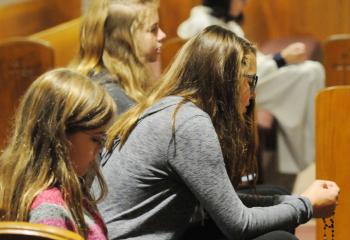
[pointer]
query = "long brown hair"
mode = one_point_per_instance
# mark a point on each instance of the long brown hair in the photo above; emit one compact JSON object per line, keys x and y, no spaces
{"x":58,"y":103}
{"x":208,"y":71}
{"x":107,"y":40}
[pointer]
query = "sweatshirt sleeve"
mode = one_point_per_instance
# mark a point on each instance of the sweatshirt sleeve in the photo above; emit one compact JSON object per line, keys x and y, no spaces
{"x":252,"y":200}
{"x":52,"y":215}
{"x":198,"y":161}
{"x":49,"y":208}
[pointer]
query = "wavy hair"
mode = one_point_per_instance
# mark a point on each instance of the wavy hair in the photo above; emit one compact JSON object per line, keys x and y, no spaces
{"x":58,"y":103}
{"x":208,"y":71}
{"x":107,"y":40}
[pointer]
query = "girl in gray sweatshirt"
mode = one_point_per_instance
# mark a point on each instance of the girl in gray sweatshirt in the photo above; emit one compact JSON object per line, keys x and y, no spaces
{"x":184,"y":150}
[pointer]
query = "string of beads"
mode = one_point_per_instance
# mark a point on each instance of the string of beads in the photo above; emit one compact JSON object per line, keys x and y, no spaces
{"x":328,"y":226}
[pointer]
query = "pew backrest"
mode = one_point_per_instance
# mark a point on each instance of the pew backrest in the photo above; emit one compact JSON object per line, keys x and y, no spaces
{"x":333,"y":151}
{"x":21,"y":62}
{"x":25,"y":17}
{"x":337,"y":60}
{"x":64,"y":39}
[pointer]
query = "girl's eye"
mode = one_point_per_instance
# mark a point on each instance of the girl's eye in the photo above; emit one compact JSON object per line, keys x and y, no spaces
{"x":154,"y":29}
{"x":100,"y":140}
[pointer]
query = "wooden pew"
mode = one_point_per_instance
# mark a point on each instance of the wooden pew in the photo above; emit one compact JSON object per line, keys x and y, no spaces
{"x":25,"y":17}
{"x":336,"y":54}
{"x":270,"y":19}
{"x":21,"y":62}
{"x":26,"y":230}
{"x":169,"y":50}
{"x":64,"y":39}
{"x":333,"y":152}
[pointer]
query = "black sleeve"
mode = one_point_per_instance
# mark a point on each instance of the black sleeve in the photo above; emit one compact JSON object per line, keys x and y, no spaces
{"x":280,"y":61}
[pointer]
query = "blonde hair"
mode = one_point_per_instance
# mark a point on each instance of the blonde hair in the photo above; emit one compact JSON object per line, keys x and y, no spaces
{"x":58,"y":103}
{"x":207,"y":71}
{"x":108,"y":41}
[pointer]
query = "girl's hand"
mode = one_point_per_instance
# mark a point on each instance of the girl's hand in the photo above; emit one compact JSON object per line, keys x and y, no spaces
{"x":323,"y":196}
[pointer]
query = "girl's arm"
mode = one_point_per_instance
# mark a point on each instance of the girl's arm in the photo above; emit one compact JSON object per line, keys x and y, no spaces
{"x":199,"y":163}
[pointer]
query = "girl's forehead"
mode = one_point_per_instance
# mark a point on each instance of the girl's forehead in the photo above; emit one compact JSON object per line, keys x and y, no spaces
{"x":152,"y":15}
{"x":150,"y":18}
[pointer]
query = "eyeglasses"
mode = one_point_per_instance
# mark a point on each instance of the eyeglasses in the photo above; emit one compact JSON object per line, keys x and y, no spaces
{"x":100,"y":139}
{"x":253,"y":79}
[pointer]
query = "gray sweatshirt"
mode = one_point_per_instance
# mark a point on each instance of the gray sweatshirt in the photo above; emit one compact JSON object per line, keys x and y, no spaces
{"x":157,"y":181}
{"x":105,"y":79}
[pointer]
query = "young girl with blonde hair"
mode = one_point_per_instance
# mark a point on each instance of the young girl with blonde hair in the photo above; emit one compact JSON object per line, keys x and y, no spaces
{"x":59,"y":129}
{"x":186,"y":147}
{"x":118,"y":40}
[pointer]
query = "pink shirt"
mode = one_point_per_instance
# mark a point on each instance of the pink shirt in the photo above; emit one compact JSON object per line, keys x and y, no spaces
{"x":50,"y":208}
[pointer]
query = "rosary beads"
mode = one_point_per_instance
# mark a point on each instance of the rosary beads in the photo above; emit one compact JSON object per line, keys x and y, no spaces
{"x":328,"y":226}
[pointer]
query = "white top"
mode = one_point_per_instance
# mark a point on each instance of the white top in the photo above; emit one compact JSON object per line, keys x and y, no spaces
{"x":201,"y":18}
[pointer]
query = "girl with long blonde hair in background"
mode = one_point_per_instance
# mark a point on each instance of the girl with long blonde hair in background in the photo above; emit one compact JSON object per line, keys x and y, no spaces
{"x":185,"y":148}
{"x":59,"y":129}
{"x":118,"y":40}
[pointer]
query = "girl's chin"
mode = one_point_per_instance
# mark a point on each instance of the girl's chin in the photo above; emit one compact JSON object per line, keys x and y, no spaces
{"x":244,"y":108}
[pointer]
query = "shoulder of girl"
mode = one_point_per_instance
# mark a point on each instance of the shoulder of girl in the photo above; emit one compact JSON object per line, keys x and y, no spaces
{"x":49,"y":208}
{"x":49,"y":196}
